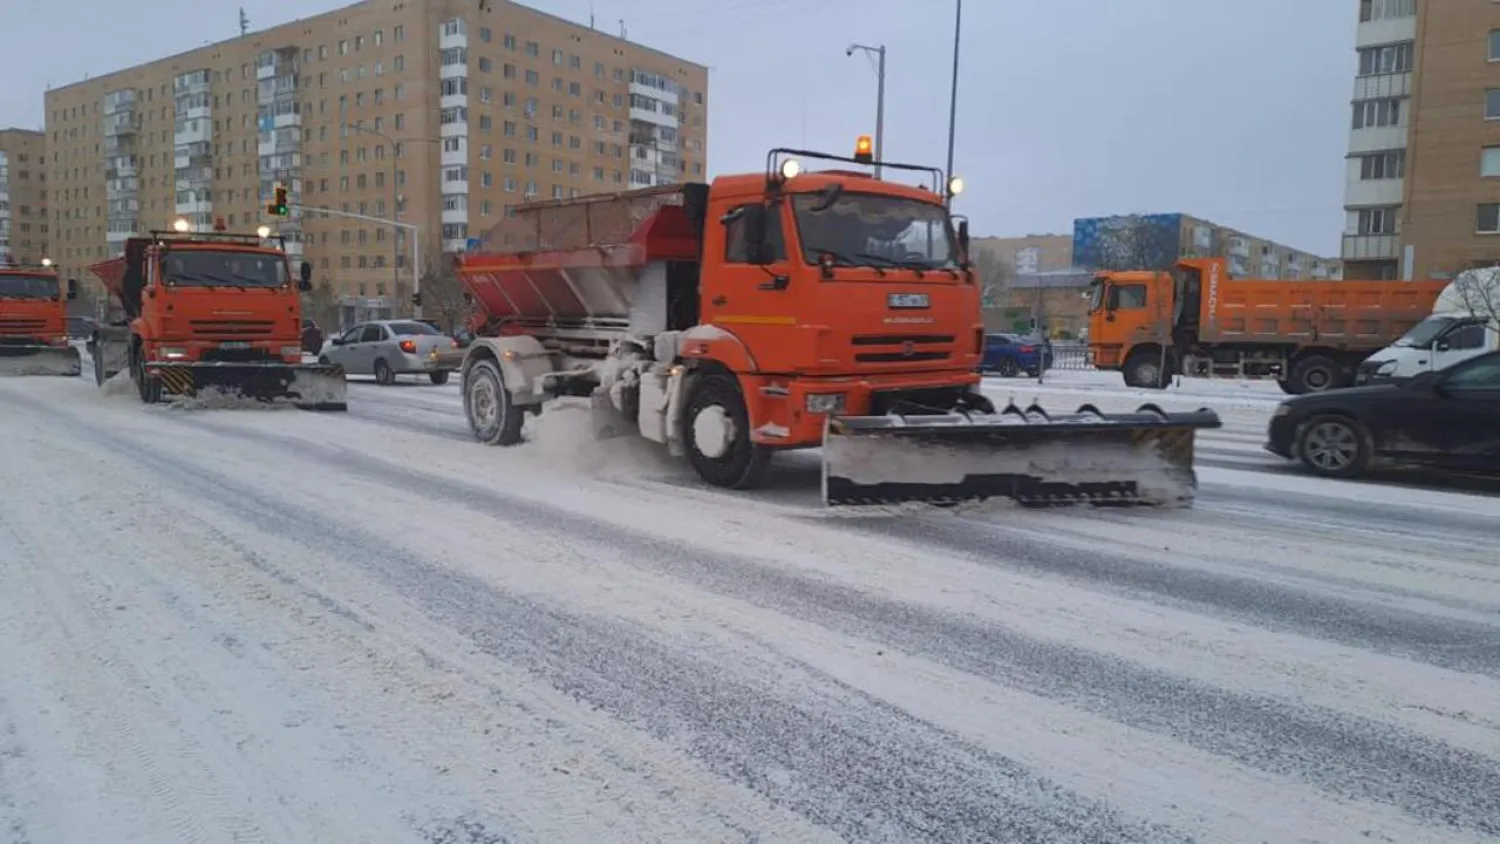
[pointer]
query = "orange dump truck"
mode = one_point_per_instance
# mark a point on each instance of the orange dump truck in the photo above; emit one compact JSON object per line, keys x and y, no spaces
{"x":784,"y":310}
{"x":34,"y":321}
{"x":208,"y":312}
{"x":1195,"y":320}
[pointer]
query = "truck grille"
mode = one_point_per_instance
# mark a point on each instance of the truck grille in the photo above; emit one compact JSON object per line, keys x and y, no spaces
{"x":233,"y":327}
{"x":902,"y":348}
{"x":17,"y":325}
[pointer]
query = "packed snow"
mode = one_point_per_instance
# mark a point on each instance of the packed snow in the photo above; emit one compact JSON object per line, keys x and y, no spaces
{"x":301,"y":627}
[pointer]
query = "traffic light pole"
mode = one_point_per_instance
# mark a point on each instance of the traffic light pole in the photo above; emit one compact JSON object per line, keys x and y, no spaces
{"x":416,"y":246}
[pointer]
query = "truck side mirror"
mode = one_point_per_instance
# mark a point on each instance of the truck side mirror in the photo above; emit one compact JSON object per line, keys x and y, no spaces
{"x":304,"y":283}
{"x":72,"y":288}
{"x":963,"y":242}
{"x":754,"y":217}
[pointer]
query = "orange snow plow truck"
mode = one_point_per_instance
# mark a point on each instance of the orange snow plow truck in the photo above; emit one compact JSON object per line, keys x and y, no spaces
{"x":210,"y":312}
{"x":787,"y":310}
{"x":34,"y":321}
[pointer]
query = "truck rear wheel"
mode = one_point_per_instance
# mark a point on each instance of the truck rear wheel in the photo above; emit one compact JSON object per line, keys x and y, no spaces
{"x":493,"y":416}
{"x":716,"y":435}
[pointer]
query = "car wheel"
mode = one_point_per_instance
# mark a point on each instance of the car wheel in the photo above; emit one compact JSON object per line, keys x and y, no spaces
{"x":1334,"y":446}
{"x":1008,"y":368}
{"x":324,"y":361}
{"x":439,"y":378}
{"x":716,"y":435}
{"x":383,"y":374}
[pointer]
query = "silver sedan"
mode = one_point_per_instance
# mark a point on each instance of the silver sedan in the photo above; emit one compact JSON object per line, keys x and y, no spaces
{"x":391,"y":347}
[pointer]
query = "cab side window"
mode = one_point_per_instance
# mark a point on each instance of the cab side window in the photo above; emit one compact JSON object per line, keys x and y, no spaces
{"x":1469,"y":336}
{"x":1127,"y":297}
{"x":737,"y":251}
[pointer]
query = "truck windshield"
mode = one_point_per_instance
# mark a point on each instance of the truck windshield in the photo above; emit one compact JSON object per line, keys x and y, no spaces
{"x":1423,"y":333}
{"x":223,"y":268}
{"x":865,"y":229}
{"x":17,"y":286}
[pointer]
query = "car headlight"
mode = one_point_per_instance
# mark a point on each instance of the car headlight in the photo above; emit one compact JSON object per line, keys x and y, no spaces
{"x":1282,"y":410}
{"x":291,"y":351}
{"x":825,"y":403}
{"x":1387,"y":368}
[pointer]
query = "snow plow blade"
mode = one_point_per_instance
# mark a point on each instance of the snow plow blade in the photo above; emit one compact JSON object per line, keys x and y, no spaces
{"x":308,"y":386}
{"x":1037,"y":460}
{"x":39,"y":360}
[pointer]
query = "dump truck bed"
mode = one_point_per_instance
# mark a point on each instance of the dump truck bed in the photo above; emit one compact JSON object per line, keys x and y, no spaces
{"x":1336,"y":314}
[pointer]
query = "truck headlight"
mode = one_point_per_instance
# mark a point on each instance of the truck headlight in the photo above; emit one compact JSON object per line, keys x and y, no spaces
{"x":291,"y":351}
{"x":825,"y":403}
{"x":171,"y":352}
{"x":1387,"y":368}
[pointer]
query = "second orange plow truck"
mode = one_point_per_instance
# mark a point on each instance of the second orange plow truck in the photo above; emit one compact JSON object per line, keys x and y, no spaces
{"x":785,"y":310}
{"x":34,"y":321}
{"x":210,"y":312}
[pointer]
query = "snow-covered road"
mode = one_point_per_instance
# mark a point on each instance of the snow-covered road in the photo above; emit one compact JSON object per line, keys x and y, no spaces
{"x":244,"y":625}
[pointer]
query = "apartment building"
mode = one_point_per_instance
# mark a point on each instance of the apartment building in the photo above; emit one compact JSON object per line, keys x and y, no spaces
{"x":23,"y":196}
{"x":441,"y":114}
{"x":1423,"y":186}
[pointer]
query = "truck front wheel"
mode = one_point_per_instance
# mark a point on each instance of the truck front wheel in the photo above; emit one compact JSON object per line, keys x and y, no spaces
{"x":149,"y":388}
{"x":1144,"y":369}
{"x":716,"y":435}
{"x":493,"y":416}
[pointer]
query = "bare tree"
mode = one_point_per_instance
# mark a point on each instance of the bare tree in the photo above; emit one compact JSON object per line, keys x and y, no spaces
{"x":444,"y":297}
{"x":321,"y":306}
{"x":1478,"y":292}
{"x":1132,"y":242}
{"x":995,"y":275}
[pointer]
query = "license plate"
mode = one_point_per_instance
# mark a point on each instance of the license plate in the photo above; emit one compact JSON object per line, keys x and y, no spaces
{"x":234,"y":344}
{"x":907,"y":300}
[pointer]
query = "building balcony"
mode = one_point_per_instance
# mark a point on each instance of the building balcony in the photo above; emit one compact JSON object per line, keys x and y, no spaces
{"x":456,"y":158}
{"x":1385,"y":31}
{"x":121,"y":123}
{"x":455,"y":188}
{"x":1377,"y":138}
{"x":453,"y":101}
{"x":1370,"y":192}
{"x":287,"y":120}
{"x":655,"y":118}
{"x":1382,"y":85}
{"x":454,"y":130}
{"x":1370,"y":247}
{"x":456,"y":215}
{"x":195,"y":206}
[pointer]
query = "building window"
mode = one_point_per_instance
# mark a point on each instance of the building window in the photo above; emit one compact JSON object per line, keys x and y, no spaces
{"x":1488,"y":218}
{"x":1489,"y":161}
{"x":1383,"y":165}
{"x":1391,"y":58}
{"x":1371,"y":10}
{"x":1385,"y":111}
{"x":1495,"y":45}
{"x":1377,"y":220}
{"x":1492,"y":104}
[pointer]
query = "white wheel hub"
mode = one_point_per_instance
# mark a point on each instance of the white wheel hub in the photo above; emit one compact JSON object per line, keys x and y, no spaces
{"x":713,"y":432}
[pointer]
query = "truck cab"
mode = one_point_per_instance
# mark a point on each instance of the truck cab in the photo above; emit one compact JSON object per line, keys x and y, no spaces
{"x":1465,"y":323}
{"x":34,"y":320}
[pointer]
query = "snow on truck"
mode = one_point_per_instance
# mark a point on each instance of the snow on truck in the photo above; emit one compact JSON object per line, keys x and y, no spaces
{"x":34,"y":321}
{"x":210,"y":312}
{"x":787,"y":310}
{"x":1196,"y":320}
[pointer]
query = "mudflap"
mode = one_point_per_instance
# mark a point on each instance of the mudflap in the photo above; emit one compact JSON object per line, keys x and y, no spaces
{"x":40,"y":360}
{"x":1028,"y":456}
{"x":307,"y":386}
{"x":606,"y":422}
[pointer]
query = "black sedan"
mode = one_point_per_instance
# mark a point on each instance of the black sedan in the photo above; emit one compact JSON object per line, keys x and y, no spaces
{"x":1448,"y":420}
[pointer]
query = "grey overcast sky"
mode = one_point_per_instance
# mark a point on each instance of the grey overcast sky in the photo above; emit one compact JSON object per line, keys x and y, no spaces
{"x":1067,"y":108}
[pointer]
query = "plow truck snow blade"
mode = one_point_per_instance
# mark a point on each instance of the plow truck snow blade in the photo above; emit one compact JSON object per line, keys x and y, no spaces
{"x":307,"y":386}
{"x":39,"y":360}
{"x":1028,"y":456}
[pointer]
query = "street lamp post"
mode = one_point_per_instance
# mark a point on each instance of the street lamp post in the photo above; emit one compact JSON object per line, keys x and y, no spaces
{"x":879,"y":53}
{"x":416,"y":241}
{"x":958,"y":17}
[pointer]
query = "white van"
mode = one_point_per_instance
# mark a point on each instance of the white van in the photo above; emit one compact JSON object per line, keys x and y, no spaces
{"x":1465,"y":322}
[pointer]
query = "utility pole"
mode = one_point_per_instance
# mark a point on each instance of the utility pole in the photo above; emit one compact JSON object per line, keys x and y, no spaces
{"x":395,"y":204}
{"x":958,"y":19}
{"x":879,"y":53}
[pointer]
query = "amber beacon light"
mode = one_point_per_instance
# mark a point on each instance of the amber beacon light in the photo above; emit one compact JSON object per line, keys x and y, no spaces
{"x":864,"y":150}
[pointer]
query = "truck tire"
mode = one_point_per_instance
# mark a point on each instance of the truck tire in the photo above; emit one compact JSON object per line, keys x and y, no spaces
{"x":493,"y":417}
{"x":1314,"y":374}
{"x":1144,"y":369}
{"x":148,"y":388}
{"x":716,"y":435}
{"x":1334,"y":446}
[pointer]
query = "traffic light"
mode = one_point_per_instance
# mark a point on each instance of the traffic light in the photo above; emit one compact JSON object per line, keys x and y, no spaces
{"x":278,"y":208}
{"x":416,"y":299}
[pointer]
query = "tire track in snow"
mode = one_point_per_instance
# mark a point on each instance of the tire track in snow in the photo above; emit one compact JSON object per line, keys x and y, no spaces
{"x":1351,"y":756}
{"x":1448,"y":643}
{"x":850,"y":762}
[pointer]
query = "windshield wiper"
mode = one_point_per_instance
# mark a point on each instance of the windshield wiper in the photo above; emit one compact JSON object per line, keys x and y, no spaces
{"x":845,"y":259}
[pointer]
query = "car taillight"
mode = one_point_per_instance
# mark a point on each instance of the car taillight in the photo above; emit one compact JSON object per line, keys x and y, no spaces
{"x":1026,"y":350}
{"x":454,"y":343}
{"x":409,"y":346}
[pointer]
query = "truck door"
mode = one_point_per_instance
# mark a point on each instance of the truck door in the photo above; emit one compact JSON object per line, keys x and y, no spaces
{"x":752,"y":299}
